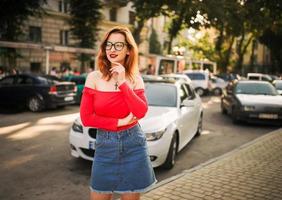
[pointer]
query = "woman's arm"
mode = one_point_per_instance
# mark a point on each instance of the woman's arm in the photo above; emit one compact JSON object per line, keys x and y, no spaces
{"x":87,"y":112}
{"x":136,"y":100}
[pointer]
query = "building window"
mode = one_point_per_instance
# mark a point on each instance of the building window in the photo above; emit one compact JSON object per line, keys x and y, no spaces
{"x":35,"y":67}
{"x":131,"y":17}
{"x":63,"y":6}
{"x":35,"y":34}
{"x":64,"y":37}
{"x":113,"y":14}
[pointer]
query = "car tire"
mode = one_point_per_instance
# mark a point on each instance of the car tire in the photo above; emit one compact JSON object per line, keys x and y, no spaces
{"x":223,"y":110}
{"x":234,"y":117}
{"x":170,"y":159}
{"x":200,"y":126}
{"x":35,"y":104}
{"x":200,"y":91}
{"x":217,"y":91}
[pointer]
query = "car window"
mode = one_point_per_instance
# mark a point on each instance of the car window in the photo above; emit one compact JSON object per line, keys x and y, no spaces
{"x":22,"y":80}
{"x":255,"y":88}
{"x":278,"y":85}
{"x":7,"y":81}
{"x":78,"y":80}
{"x":253,"y":78}
{"x":159,"y":94}
{"x":183,"y":93}
{"x":196,"y":76}
{"x":190,"y":91}
{"x":166,"y":66}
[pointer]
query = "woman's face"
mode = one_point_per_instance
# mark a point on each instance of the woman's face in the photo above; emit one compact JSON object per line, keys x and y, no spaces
{"x":116,"y":48}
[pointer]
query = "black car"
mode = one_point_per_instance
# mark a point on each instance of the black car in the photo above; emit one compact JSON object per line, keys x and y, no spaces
{"x":250,"y":101}
{"x":36,"y":92}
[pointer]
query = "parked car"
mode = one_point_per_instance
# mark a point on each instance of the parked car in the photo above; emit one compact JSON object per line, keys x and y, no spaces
{"x":200,"y":81}
{"x":177,"y":77}
{"x":259,"y":76}
{"x":173,"y":119}
{"x":35,"y":92}
{"x":278,"y":85}
{"x":79,"y":81}
{"x":217,"y":85}
{"x":252,"y":101}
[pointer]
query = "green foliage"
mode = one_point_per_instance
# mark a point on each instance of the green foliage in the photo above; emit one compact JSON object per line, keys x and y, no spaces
{"x":146,"y":9}
{"x":13,"y":13}
{"x":85,"y":16}
{"x":155,"y":45}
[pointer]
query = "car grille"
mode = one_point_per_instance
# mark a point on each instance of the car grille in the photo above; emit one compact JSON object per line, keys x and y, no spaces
{"x":92,"y":133}
{"x":88,"y":152}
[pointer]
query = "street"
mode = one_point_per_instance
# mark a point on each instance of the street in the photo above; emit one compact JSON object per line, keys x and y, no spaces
{"x":36,"y":161}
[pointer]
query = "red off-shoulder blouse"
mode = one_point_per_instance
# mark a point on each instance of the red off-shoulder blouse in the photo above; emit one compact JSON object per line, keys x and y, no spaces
{"x":102,"y":109}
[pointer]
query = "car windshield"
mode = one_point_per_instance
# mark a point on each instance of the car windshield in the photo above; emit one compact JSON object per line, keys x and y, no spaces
{"x":196,"y":76}
{"x":163,"y":95}
{"x":255,"y":88}
{"x":278,"y":85}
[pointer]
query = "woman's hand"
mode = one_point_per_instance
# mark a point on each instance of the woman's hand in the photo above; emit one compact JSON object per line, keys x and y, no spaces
{"x":118,"y":72}
{"x":129,"y":119}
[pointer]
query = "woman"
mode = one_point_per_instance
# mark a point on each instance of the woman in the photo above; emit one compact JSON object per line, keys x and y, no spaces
{"x":113,"y":101}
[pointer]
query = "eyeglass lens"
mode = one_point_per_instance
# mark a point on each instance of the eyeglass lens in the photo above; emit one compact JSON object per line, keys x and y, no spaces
{"x":118,"y":46}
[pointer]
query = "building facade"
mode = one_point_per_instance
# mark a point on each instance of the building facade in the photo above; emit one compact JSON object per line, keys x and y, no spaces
{"x":48,"y":42}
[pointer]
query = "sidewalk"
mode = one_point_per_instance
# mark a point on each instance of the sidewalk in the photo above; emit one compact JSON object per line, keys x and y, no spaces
{"x":250,"y":172}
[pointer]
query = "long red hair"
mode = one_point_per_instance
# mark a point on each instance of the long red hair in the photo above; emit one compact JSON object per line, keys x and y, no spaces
{"x":131,"y":60}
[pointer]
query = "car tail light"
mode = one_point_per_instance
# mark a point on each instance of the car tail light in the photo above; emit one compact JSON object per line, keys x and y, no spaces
{"x":53,"y":90}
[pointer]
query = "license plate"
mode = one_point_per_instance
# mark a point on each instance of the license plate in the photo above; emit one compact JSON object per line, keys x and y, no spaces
{"x":68,"y":98}
{"x":268,"y":116}
{"x":91,"y":145}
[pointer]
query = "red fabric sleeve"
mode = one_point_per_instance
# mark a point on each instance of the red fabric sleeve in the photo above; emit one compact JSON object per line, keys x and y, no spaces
{"x":135,"y":100}
{"x":88,"y":116}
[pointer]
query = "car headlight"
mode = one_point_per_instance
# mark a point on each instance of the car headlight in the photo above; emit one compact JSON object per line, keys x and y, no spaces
{"x":77,"y":127}
{"x":155,"y":135}
{"x":248,"y":108}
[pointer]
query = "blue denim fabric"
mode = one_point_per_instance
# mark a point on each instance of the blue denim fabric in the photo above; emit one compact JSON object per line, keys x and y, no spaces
{"x":121,"y":162}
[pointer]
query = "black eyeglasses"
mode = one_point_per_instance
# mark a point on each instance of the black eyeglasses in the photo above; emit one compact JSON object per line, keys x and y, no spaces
{"x":118,"y":45}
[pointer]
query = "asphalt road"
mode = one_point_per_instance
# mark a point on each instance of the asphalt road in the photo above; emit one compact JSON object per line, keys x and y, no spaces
{"x":36,"y":162}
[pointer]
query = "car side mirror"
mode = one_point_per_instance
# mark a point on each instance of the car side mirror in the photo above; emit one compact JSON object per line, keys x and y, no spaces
{"x":187,"y":103}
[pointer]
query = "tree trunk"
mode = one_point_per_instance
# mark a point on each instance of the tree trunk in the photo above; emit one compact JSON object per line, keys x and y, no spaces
{"x":225,"y":60}
{"x":241,"y":51}
{"x":137,"y":32}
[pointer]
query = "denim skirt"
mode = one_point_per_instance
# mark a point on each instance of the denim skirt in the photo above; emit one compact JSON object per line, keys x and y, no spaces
{"x":121,"y":163}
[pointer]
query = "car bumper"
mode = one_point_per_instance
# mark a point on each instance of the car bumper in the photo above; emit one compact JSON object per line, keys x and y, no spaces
{"x":158,"y":149}
{"x":261,"y":117}
{"x":62,"y":100}
{"x":81,"y":145}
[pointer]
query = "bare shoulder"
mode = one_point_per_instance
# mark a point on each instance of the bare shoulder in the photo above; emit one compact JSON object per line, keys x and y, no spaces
{"x":139,"y":83}
{"x":92,"y":79}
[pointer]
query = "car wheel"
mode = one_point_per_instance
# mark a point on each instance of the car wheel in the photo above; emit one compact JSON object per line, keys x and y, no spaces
{"x":200,"y":91}
{"x":35,"y":104}
{"x":217,"y":91}
{"x":223,"y":110}
{"x":170,"y":160}
{"x":234,"y":116}
{"x":200,"y":126}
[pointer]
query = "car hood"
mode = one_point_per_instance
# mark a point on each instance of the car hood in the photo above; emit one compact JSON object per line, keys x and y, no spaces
{"x":158,"y":118}
{"x":247,"y":99}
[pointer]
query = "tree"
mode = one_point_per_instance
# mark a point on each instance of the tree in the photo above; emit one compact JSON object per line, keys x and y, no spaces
{"x":12,"y":15}
{"x":155,"y":45}
{"x":146,"y":9}
{"x":85,"y":16}
{"x":272,"y":33}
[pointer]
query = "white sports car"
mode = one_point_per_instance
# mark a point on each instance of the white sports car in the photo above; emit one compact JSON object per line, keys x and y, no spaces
{"x":173,"y":119}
